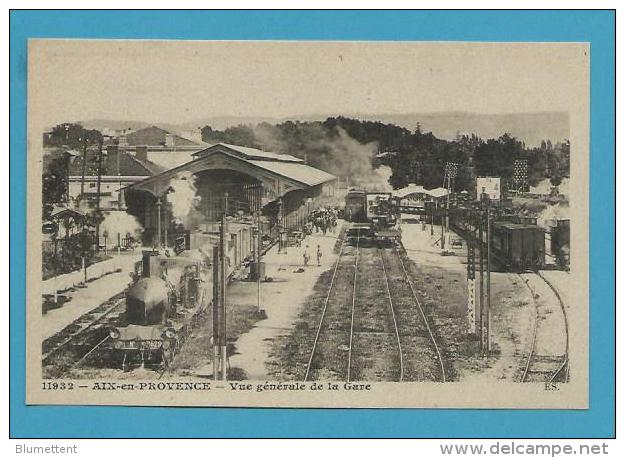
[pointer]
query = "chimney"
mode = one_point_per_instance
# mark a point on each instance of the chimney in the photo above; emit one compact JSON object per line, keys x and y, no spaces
{"x":142,"y":153}
{"x":170,"y":140}
{"x":112,"y":160}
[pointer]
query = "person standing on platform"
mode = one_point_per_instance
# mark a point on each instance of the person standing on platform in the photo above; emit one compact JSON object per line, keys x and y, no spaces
{"x":306,"y":256}
{"x":319,"y":254}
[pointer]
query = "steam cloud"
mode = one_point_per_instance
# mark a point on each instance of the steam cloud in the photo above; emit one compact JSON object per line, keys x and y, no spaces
{"x":352,"y":160}
{"x":121,"y":222}
{"x":182,"y":197}
{"x":549,"y":216}
{"x":342,"y":155}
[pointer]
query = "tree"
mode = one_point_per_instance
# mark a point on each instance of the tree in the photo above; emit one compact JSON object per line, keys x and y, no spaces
{"x":54,"y":181}
{"x":72,"y":135}
{"x":496,"y":157}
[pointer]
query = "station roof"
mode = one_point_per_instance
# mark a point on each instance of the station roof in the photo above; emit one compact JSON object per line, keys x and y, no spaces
{"x":296,"y":171}
{"x":288,"y":172}
{"x":249,"y":153}
{"x":169,"y":159}
{"x":413,"y":188}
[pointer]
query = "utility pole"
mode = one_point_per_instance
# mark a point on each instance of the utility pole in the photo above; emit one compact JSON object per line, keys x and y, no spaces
{"x":257,"y":256}
{"x":432,"y":220}
{"x":480,"y":224}
{"x":99,"y":184}
{"x":119,"y":183}
{"x":166,"y":219}
{"x":222,"y":286}
{"x":488,"y":268}
{"x":471,"y":285}
{"x":158,"y":222}
{"x":216,"y":308}
{"x":84,"y":169}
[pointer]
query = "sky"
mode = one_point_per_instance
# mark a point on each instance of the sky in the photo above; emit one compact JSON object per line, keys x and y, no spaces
{"x":184,"y":81}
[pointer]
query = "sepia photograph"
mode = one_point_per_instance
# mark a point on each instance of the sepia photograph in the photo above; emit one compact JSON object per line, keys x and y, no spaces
{"x":308,"y":224}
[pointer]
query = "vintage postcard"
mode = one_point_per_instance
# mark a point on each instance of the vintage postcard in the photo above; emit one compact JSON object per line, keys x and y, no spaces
{"x":308,"y":224}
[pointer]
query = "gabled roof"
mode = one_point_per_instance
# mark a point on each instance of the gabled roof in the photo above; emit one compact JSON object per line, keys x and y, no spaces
{"x":61,"y":210}
{"x":248,"y":153}
{"x":299,"y":174}
{"x":155,"y":136}
{"x":129,"y":165}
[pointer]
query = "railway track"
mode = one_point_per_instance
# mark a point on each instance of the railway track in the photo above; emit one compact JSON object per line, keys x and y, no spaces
{"x":423,"y":358}
{"x":81,"y":339}
{"x":78,"y":335}
{"x":358,"y":339}
{"x":541,"y":366}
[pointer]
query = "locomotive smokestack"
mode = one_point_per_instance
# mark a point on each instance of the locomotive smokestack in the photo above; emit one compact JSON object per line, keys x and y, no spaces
{"x":151,"y":264}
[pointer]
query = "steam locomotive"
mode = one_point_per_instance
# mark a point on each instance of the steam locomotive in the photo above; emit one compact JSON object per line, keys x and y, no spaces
{"x":373,"y":216}
{"x":161,"y":305}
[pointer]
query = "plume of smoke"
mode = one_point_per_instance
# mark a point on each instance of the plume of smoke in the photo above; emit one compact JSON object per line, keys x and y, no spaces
{"x":121,"y":222}
{"x":351,"y":159}
{"x":340,"y":154}
{"x":545,"y":187}
{"x":548,"y":217}
{"x":182,"y":197}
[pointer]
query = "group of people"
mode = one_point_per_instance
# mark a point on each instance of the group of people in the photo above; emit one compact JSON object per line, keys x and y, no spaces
{"x":322,"y":220}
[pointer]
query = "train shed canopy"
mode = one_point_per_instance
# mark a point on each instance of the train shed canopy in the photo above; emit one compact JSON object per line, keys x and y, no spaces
{"x":418,"y":191}
{"x":278,"y":173}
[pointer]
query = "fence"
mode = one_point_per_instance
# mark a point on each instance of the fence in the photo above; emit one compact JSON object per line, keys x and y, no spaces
{"x":72,"y":279}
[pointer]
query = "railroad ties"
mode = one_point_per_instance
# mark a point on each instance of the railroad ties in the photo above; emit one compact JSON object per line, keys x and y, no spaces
{"x":372,"y":326}
{"x":83,"y":338}
{"x":547,"y":358}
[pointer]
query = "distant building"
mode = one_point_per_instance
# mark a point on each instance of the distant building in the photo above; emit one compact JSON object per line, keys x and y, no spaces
{"x":417,"y":195}
{"x":119,"y":169}
{"x":130,"y":157}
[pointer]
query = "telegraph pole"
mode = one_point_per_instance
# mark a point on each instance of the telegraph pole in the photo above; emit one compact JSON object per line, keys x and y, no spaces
{"x":84,"y":169}
{"x":216,"y":307}
{"x":480,"y":223}
{"x":223,"y":284}
{"x":488,"y":268}
{"x":99,"y":184}
{"x":471,"y":285}
{"x":158,"y":222}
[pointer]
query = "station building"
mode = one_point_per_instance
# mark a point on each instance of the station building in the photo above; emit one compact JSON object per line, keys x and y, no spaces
{"x":234,"y":181}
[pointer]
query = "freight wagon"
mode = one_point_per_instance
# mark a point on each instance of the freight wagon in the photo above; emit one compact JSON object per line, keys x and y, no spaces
{"x":516,"y":246}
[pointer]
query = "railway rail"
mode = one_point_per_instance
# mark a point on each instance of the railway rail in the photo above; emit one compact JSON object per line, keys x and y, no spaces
{"x":77,"y":333}
{"x":545,"y":367}
{"x":379,"y":343}
{"x":421,"y":345}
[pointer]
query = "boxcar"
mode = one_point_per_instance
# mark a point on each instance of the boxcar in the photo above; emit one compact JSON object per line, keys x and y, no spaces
{"x":518,"y":247}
